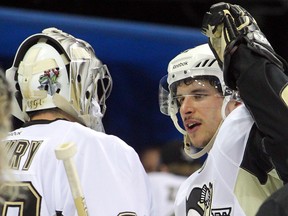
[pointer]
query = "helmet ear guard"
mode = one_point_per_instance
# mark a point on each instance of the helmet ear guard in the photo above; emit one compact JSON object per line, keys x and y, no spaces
{"x":55,"y":69}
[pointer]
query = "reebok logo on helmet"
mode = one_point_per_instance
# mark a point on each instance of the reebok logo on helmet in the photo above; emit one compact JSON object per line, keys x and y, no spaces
{"x":181,"y":64}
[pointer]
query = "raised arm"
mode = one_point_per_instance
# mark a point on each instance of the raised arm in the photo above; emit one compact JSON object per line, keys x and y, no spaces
{"x":250,"y":65}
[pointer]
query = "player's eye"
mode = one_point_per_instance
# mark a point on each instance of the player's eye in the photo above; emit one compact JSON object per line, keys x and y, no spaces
{"x":180,"y":100}
{"x":195,"y":98}
{"x":198,"y":97}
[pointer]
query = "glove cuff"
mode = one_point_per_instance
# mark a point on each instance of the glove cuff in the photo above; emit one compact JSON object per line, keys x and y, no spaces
{"x":229,"y":77}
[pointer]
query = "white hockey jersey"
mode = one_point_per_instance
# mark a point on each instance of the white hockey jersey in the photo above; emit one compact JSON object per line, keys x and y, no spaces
{"x":111,"y":174}
{"x":221,"y":186}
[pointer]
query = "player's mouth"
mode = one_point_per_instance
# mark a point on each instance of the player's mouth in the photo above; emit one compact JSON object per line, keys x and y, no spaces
{"x":192,"y":126}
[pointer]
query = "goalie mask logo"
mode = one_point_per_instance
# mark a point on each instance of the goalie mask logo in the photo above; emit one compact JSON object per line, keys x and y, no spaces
{"x":48,"y":81}
{"x":200,"y":200}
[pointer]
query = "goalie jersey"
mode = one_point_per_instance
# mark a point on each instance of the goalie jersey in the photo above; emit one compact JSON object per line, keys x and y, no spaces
{"x":111,"y":174}
{"x":230,"y":182}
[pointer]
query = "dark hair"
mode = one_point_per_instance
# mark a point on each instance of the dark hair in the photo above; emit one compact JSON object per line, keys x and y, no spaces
{"x":213,"y":81}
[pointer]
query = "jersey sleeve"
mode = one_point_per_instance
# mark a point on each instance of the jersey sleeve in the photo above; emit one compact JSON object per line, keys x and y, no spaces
{"x":261,"y":85}
{"x":276,"y":204}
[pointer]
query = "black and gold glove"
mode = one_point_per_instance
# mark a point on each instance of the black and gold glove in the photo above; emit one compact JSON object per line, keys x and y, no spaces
{"x":229,"y":25}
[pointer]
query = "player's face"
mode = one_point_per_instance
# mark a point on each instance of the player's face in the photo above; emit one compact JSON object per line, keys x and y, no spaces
{"x":200,"y":110}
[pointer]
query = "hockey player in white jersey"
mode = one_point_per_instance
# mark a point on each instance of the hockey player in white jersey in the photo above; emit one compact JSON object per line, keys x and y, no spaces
{"x":60,"y":92}
{"x":174,"y":168}
{"x":246,"y":140}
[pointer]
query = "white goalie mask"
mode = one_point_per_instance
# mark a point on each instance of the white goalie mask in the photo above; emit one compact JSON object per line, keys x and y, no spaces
{"x":54,"y":69}
{"x":197,"y":63}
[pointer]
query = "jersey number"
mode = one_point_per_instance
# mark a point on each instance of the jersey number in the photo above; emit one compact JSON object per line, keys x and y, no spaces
{"x":28,"y":201}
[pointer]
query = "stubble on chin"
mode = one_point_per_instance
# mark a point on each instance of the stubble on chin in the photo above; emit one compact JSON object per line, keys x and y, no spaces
{"x":198,"y":142}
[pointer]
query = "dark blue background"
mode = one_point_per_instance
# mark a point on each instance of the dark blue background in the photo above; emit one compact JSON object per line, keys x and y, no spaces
{"x":137,"y":55}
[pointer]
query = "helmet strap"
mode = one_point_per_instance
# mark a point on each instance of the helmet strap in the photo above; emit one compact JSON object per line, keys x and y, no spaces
{"x":224,"y":105}
{"x":175,"y":121}
{"x":188,"y":145}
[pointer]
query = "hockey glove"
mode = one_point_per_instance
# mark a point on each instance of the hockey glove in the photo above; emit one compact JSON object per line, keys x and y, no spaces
{"x":229,"y":25}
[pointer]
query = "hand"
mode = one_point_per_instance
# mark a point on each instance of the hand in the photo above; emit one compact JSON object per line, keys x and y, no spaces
{"x":229,"y":25}
{"x":218,"y":25}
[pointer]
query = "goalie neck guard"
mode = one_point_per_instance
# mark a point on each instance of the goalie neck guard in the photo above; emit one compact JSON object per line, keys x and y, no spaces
{"x":54,"y":69}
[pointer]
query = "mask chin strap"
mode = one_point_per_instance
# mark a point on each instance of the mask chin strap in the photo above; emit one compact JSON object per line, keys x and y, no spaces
{"x":188,"y":145}
{"x":96,"y":117}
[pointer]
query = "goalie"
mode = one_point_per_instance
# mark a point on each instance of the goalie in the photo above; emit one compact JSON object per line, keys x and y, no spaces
{"x":61,"y":89}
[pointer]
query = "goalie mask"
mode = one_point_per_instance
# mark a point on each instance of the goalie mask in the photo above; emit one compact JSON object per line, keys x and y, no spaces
{"x":54,"y":69}
{"x":193,"y":65}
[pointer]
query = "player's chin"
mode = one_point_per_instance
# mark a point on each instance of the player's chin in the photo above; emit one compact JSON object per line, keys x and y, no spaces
{"x":197,"y":142}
